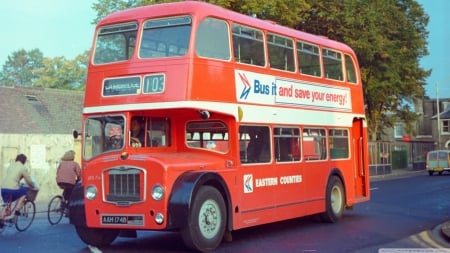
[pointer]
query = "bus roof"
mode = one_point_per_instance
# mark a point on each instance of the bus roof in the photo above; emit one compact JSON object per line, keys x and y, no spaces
{"x":205,"y":9}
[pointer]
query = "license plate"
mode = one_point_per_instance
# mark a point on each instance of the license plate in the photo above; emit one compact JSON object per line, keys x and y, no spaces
{"x":130,"y":220}
{"x":114,"y":219}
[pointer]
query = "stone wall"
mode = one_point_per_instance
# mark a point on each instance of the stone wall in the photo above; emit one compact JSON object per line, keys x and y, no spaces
{"x":44,"y":152}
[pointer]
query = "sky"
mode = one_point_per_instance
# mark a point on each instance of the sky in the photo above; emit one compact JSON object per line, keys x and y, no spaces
{"x":55,"y":27}
{"x":64,"y":28}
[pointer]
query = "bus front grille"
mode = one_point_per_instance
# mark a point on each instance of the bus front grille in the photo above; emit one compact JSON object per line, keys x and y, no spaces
{"x":124,"y":185}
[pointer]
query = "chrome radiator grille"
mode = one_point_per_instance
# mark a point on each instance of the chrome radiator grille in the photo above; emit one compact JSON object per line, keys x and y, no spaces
{"x":124,"y":185}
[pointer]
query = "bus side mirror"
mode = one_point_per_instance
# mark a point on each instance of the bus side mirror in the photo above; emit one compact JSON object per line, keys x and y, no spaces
{"x":75,"y":134}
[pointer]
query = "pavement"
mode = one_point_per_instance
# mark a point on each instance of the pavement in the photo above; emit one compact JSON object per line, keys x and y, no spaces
{"x":439,"y":234}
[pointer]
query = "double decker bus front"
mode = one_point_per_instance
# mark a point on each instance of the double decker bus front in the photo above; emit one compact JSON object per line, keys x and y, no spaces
{"x":137,"y":74}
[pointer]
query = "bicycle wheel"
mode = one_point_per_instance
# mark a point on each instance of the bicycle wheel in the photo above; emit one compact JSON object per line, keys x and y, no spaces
{"x":55,"y":210}
{"x":26,"y":217}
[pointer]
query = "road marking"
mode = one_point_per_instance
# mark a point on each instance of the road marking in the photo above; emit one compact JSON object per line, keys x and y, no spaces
{"x":424,"y":239}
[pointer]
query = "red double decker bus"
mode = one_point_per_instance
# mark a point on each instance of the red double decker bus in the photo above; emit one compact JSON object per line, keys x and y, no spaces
{"x":204,"y":121}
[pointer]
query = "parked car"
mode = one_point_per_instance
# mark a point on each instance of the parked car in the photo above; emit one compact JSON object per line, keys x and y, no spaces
{"x":438,"y":161}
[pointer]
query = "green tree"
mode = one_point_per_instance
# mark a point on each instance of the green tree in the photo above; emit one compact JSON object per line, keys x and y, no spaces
{"x":281,"y":11}
{"x":21,"y":68}
{"x":389,"y":38}
{"x":61,"y":73}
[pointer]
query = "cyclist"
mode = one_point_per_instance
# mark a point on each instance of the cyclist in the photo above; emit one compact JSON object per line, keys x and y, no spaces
{"x":67,"y":174}
{"x":11,"y":188}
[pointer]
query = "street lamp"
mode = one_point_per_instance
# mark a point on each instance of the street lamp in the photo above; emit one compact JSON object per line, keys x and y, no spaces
{"x":438,"y":117}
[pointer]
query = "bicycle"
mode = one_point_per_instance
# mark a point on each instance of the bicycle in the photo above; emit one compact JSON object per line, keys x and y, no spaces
{"x":56,"y":209}
{"x":27,"y":213}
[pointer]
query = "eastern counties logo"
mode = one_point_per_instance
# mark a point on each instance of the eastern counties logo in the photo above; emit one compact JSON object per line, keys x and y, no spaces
{"x":248,"y":183}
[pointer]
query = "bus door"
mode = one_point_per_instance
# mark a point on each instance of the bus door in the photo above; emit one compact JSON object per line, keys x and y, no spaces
{"x":259,"y":180}
{"x":290,"y":190}
{"x":360,"y":175}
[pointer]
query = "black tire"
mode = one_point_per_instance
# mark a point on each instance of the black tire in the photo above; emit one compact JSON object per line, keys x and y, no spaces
{"x":26,"y":217}
{"x":97,"y":237}
{"x":205,"y":225}
{"x":430,"y":172}
{"x":335,"y":201}
{"x":55,"y":210}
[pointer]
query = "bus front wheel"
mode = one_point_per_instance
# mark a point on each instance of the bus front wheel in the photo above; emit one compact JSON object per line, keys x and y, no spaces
{"x":97,"y":237}
{"x":334,"y":200}
{"x":205,"y":225}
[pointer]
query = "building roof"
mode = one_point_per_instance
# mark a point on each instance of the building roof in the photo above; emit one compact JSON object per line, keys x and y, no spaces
{"x":442,"y":115}
{"x":39,"y":110}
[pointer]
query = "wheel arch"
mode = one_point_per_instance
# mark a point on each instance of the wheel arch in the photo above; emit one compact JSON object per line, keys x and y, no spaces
{"x":185,"y":188}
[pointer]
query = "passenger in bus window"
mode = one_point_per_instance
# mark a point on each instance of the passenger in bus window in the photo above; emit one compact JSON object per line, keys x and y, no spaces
{"x":137,"y":134}
{"x":256,"y":146}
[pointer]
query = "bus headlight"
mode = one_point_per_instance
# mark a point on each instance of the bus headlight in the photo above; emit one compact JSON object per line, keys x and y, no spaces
{"x":157,"y":192}
{"x":159,"y":218}
{"x":91,"y":192}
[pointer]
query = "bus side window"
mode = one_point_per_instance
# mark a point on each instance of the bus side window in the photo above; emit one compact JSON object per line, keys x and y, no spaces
{"x":213,"y":39}
{"x":255,"y":144}
{"x":158,"y":130}
{"x":308,"y":59}
{"x":339,"y":143}
{"x":248,"y":45}
{"x":350,"y":69}
{"x":287,"y":147}
{"x":209,"y":135}
{"x":281,"y":52}
{"x":314,"y":144}
{"x":332,"y":64}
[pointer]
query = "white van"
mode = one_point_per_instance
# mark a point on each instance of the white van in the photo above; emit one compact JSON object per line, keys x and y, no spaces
{"x":438,"y":161}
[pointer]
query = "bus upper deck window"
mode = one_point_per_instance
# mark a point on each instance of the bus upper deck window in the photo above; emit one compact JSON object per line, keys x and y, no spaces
{"x":281,"y":52}
{"x":213,"y":39}
{"x":332,"y":63}
{"x":165,"y":37}
{"x":115,"y":43}
{"x":248,"y":45}
{"x":350,"y":69}
{"x":308,"y":59}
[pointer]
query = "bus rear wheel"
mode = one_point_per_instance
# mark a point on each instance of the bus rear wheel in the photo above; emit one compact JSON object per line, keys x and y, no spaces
{"x":205,"y":225}
{"x":335,"y":201}
{"x":97,"y":237}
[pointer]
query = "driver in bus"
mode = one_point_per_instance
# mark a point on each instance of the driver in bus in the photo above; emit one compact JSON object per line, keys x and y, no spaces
{"x":137,"y":134}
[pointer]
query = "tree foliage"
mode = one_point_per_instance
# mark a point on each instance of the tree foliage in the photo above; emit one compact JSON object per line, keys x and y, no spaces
{"x":20,"y":69}
{"x":389,"y":38}
{"x":32,"y":69}
{"x":61,"y":73}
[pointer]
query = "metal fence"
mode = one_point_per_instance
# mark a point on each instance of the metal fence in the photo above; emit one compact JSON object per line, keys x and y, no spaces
{"x":387,"y":156}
